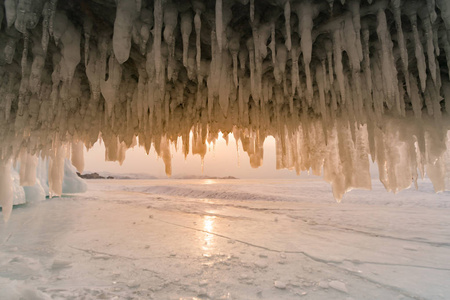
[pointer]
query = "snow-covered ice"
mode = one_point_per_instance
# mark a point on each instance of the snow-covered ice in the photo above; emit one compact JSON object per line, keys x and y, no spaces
{"x":335,"y":82}
{"x":228,"y":239}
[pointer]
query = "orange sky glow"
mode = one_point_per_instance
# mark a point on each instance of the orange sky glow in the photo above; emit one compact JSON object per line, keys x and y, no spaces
{"x":221,"y":160}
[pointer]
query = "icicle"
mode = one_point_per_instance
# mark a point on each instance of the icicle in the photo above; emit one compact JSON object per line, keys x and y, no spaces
{"x":8,"y":101}
{"x":401,"y":41}
{"x":273,"y":44}
{"x":71,"y":39}
{"x":87,"y":26}
{"x":329,"y":50}
{"x":144,"y":37}
{"x":6,"y":189}
{"x":46,"y":12}
{"x":243,"y":56}
{"x":387,"y":63}
{"x":444,"y":6}
{"x":287,"y":17}
{"x":421,"y":66}
{"x":123,"y":24}
{"x":24,"y":62}
{"x":170,"y":23}
{"x":356,"y":18}
{"x":321,"y":86}
{"x":56,"y":172}
{"x":306,"y":13}
{"x":252,"y":10}
{"x":25,"y":18}
{"x":28,"y":165}
{"x":110,"y":87}
{"x":10,"y":12}
{"x":138,"y":5}
{"x":9,"y":51}
{"x":224,"y":86}
{"x":234,"y":50}
{"x":219,"y":23}
{"x":431,"y":5}
{"x":56,"y":79}
{"x":251,"y":52}
{"x":436,"y":45}
{"x":186,"y":29}
{"x":263,"y":35}
{"x":338,"y":67}
{"x":53,"y":4}
{"x":366,"y":61}
{"x":415,"y":98}
{"x":295,"y":80}
{"x":430,"y":46}
{"x":446,"y":43}
{"x":158,"y":12}
{"x":446,"y":92}
{"x":35,"y":75}
{"x":331,"y":3}
{"x":198,"y":7}
{"x":77,"y":156}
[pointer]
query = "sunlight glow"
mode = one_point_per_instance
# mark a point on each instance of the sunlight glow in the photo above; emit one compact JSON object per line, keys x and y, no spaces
{"x":208,"y":225}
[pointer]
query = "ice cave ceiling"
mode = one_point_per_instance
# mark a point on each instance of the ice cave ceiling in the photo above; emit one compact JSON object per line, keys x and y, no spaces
{"x":332,"y":81}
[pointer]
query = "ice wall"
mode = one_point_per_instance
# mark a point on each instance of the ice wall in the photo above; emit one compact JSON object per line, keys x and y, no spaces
{"x":332,"y":81}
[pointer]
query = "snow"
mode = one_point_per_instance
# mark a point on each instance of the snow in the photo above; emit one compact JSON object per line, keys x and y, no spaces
{"x":335,"y":83}
{"x":228,"y":239}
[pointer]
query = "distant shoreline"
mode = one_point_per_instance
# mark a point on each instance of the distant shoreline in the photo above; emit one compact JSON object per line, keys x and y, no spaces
{"x":95,"y":175}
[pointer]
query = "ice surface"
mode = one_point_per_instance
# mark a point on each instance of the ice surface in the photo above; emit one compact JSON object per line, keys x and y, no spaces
{"x":228,"y":239}
{"x":335,"y":82}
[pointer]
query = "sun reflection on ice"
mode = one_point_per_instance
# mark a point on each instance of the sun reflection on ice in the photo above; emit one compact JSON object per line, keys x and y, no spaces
{"x":208,"y":226}
{"x":209,"y":181}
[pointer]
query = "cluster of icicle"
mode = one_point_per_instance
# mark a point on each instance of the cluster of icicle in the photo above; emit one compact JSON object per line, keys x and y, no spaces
{"x":332,"y":81}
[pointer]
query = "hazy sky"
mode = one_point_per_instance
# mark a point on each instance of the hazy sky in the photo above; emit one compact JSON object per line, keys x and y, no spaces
{"x":221,"y":160}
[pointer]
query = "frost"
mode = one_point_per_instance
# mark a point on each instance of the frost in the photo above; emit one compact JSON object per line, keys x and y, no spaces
{"x":335,"y":83}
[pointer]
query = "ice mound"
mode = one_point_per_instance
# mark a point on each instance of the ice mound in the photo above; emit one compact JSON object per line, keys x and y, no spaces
{"x":72,"y":183}
{"x":332,"y":81}
{"x":38,"y":191}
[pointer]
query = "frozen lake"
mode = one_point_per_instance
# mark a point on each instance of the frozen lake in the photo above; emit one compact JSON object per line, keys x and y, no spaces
{"x":228,"y":239}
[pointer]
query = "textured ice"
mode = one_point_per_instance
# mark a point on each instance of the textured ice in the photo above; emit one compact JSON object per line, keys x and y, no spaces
{"x":335,"y":82}
{"x":228,"y":239}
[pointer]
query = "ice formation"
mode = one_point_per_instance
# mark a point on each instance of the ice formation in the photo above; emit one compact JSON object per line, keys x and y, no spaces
{"x":16,"y":191}
{"x":332,"y":81}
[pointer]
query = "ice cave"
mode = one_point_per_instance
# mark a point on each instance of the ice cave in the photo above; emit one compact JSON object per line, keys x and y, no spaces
{"x":336,"y":83}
